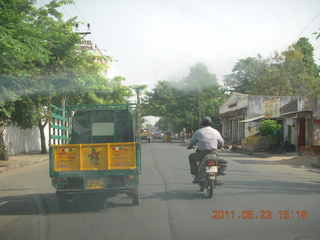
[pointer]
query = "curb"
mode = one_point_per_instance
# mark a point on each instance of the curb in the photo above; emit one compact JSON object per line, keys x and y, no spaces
{"x":6,"y":165}
{"x":316,"y":165}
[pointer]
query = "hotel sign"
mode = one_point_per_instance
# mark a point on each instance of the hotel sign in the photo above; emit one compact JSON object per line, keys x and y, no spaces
{"x":87,"y":45}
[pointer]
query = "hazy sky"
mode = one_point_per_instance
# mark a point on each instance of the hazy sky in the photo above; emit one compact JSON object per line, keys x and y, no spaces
{"x":161,"y":39}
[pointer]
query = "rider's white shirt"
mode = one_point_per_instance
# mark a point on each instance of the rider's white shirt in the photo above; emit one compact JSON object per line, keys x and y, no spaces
{"x":206,"y":138}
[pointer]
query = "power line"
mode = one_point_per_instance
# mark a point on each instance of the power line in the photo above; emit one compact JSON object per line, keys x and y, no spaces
{"x":66,"y":11}
{"x":307,"y":26}
{"x":80,"y":12}
{"x":95,"y":42}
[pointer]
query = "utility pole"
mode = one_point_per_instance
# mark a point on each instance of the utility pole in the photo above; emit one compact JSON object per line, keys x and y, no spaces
{"x":83,"y":33}
{"x":199,"y":103}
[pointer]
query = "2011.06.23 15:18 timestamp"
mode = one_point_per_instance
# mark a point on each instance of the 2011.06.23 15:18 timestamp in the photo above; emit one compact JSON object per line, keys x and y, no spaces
{"x":260,"y":214}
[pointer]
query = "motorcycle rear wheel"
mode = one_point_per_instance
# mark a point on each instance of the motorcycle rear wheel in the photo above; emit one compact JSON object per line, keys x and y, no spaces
{"x":209,"y":192}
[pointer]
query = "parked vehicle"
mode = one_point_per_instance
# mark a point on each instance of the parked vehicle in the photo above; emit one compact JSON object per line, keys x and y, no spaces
{"x":208,"y":171}
{"x":94,"y":150}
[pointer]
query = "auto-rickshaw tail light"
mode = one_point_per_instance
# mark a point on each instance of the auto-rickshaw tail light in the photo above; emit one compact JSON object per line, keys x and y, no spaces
{"x":59,"y":180}
{"x":132,"y":177}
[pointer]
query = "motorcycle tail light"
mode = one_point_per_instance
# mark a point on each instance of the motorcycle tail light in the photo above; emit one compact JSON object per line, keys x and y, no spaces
{"x":211,"y":163}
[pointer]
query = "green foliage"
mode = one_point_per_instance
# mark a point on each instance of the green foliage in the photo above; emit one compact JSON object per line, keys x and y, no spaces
{"x":21,"y":43}
{"x":6,"y":111}
{"x":3,"y":152}
{"x":200,"y":76}
{"x":290,"y":73}
{"x":269,"y":127}
{"x":40,"y":52}
{"x":23,"y":114}
{"x":245,"y":73}
{"x":181,"y":103}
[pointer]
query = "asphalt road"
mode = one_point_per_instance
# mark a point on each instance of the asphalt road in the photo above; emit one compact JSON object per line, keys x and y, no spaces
{"x":259,"y":200}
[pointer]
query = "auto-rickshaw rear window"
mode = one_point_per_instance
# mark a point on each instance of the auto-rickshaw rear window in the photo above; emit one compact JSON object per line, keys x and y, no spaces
{"x":102,"y":126}
{"x":103,"y":129}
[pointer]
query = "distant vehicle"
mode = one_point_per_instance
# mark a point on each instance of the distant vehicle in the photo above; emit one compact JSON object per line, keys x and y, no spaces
{"x":156,"y":135}
{"x":167,"y":136}
{"x":145,"y":135}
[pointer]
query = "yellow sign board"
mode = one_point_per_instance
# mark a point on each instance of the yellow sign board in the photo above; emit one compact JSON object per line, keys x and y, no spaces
{"x":66,"y":158}
{"x":122,"y":156}
{"x":272,"y":108}
{"x":92,"y":157}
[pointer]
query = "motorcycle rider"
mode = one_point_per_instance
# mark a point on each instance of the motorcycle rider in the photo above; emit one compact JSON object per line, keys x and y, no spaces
{"x":207,"y":140}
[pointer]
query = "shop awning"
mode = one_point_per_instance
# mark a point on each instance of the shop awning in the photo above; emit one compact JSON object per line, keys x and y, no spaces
{"x":252,"y":119}
{"x":295,"y":112}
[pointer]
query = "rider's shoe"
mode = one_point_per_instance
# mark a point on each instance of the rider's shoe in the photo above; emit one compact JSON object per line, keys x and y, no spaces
{"x":218,"y":182}
{"x":196,"y":179}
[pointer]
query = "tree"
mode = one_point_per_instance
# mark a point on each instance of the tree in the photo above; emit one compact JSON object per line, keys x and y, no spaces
{"x":42,"y":38}
{"x":40,"y":52}
{"x":274,"y":82}
{"x":290,"y":73}
{"x":181,"y":104}
{"x":200,"y":76}
{"x":21,"y":43}
{"x":6,"y":111}
{"x":245,"y":73}
{"x":301,"y":68}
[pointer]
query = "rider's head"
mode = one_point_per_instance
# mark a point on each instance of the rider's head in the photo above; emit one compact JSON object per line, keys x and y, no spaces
{"x":206,"y":121}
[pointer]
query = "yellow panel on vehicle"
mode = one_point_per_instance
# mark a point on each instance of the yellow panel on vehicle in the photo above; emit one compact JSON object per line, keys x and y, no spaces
{"x":94,"y":157}
{"x":122,"y":156}
{"x":67,"y":158}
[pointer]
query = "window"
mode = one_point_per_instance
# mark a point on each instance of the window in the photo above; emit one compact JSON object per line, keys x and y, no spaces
{"x":102,"y":129}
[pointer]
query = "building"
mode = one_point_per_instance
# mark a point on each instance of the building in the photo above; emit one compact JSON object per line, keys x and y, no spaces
{"x":240,"y":114}
{"x":301,"y":124}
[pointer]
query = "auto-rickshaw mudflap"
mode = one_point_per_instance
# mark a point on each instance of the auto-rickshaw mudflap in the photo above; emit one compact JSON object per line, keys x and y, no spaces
{"x":104,"y":181}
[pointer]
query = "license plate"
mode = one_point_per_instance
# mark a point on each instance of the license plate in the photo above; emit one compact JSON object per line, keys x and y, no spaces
{"x":211,"y":169}
{"x":95,"y":184}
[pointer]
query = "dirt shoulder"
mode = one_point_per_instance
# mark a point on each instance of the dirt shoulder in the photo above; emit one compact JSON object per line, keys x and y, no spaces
{"x":302,"y":161}
{"x":290,"y":159}
{"x":22,"y":160}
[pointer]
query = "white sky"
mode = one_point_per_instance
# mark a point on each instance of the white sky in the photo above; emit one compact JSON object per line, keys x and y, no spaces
{"x":161,"y":39}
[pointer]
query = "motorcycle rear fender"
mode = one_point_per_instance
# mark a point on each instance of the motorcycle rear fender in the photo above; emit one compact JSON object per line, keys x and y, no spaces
{"x":208,"y":157}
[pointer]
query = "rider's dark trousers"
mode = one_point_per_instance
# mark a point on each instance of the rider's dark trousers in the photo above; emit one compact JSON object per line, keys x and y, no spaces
{"x":197,"y":157}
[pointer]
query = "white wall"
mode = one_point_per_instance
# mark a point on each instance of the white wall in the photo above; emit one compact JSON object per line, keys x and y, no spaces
{"x":256,"y":104}
{"x":23,"y":140}
{"x":235,"y":102}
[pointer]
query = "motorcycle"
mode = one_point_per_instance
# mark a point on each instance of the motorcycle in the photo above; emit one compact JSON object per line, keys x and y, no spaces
{"x":208,"y":171}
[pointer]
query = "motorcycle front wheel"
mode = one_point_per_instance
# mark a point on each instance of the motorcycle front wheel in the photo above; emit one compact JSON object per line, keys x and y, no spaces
{"x":209,"y":192}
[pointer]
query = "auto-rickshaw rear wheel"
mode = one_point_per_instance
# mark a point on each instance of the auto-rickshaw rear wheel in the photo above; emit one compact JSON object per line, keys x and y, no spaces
{"x":135,"y":196}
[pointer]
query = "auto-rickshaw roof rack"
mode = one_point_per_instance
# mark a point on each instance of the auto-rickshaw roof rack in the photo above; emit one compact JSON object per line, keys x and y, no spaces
{"x":101,"y":106}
